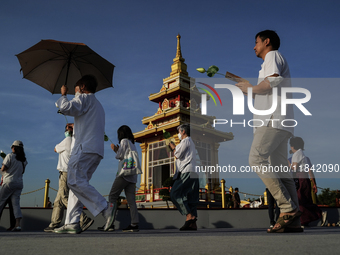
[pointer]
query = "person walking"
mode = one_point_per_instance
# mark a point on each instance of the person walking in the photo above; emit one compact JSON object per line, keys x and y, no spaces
{"x":184,"y":193}
{"x":60,"y":203}
{"x":236,"y":198}
{"x":301,"y":167}
{"x":270,"y":142}
{"x":126,"y":183}
{"x":12,"y":170}
{"x":87,"y":152}
{"x":9,"y":203}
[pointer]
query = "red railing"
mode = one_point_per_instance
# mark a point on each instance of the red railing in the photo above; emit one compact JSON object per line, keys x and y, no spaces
{"x":150,"y":195}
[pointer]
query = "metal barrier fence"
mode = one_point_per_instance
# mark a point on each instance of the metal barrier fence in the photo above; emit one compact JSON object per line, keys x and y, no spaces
{"x":152,"y":195}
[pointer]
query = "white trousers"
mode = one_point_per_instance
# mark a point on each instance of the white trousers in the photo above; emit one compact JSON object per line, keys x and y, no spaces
{"x":11,"y":190}
{"x":81,"y":166}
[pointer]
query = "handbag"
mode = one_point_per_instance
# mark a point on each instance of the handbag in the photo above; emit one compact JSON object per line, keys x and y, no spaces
{"x":130,"y":164}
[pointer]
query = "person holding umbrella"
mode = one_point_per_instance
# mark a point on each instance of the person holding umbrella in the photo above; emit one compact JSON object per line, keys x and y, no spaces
{"x":88,"y":150}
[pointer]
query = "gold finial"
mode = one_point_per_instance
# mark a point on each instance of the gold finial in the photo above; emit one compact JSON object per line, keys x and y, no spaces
{"x":178,"y":66}
{"x":179,"y":53}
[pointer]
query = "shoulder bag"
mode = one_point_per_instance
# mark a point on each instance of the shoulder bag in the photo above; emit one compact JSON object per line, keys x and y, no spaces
{"x":130,"y":164}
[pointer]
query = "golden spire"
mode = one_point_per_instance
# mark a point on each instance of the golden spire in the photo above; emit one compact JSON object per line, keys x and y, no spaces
{"x":178,"y":66}
{"x":179,"y":53}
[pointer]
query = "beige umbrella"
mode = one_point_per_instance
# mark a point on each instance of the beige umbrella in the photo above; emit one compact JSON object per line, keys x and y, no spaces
{"x":51,"y":64}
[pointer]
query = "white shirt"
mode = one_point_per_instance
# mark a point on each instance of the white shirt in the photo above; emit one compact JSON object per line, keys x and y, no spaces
{"x":89,"y":122}
{"x":64,"y":150}
{"x":185,"y":154}
{"x":275,"y":63}
{"x":14,"y":170}
{"x":300,"y":158}
{"x":124,"y":146}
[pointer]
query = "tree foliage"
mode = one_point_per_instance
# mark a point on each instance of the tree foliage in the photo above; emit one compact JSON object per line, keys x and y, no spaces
{"x":328,"y":197}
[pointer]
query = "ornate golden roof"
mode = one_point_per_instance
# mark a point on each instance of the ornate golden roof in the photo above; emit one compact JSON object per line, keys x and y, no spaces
{"x":178,"y":67}
{"x":178,"y":103}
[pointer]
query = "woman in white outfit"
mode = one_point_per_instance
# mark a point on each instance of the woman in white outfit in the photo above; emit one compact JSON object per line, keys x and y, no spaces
{"x":13,"y":168}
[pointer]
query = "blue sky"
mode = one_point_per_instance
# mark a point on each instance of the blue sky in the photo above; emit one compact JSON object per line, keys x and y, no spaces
{"x":139,"y":38}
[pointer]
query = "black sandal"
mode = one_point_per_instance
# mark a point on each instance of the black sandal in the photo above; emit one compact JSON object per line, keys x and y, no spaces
{"x":284,"y":222}
{"x":188,"y":225}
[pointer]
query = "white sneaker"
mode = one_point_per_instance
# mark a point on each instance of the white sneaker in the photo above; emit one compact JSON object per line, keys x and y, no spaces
{"x":68,"y":229}
{"x":109,"y":215}
{"x":324,"y":218}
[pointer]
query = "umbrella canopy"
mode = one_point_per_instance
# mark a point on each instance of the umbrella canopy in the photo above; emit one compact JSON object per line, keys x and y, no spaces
{"x":51,"y":64}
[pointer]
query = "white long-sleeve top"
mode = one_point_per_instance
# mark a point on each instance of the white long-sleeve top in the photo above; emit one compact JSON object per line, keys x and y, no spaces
{"x":64,"y":150}
{"x":14,"y":171}
{"x":185,"y":156}
{"x":89,"y":122}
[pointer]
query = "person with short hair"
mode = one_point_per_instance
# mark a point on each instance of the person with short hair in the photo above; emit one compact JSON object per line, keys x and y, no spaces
{"x":60,"y":203}
{"x":87,"y":152}
{"x":184,"y":193}
{"x":270,"y":142}
{"x":12,"y":170}
{"x":301,"y":165}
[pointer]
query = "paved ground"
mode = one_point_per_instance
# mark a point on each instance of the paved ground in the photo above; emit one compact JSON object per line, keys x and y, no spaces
{"x":316,"y":240}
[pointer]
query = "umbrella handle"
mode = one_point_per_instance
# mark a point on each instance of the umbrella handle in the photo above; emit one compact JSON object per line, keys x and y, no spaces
{"x":66,"y":119}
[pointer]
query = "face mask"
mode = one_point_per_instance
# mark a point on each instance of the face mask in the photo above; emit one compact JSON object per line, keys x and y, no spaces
{"x":180,"y":136}
{"x":67,"y":134}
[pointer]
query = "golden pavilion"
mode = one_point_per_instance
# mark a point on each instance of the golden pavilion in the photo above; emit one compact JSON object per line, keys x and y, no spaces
{"x":178,"y":103}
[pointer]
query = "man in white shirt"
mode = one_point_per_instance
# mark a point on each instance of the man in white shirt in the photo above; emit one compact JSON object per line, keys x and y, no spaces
{"x":185,"y":190}
{"x":269,"y":147}
{"x":88,"y":151}
{"x":60,"y":203}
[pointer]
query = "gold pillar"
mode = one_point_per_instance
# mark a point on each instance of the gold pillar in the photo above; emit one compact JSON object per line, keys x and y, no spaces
{"x":215,"y":177}
{"x":145,"y":169}
{"x":265,"y":198}
{"x":223,"y":192}
{"x":151,"y":193}
{"x":207,"y":187}
{"x":47,"y":187}
{"x":177,"y":141}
